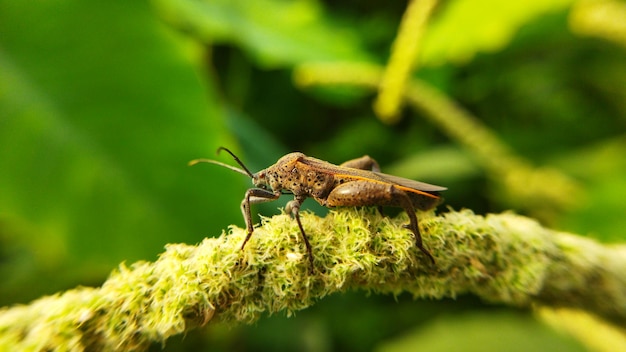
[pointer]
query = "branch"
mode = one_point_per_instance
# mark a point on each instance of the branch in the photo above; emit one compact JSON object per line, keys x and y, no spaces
{"x":505,"y":258}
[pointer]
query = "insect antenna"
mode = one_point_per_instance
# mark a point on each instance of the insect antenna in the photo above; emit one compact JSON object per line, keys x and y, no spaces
{"x":245,"y":170}
{"x":237,"y":160}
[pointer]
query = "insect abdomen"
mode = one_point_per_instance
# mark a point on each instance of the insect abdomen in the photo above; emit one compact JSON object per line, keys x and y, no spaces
{"x":423,"y":202}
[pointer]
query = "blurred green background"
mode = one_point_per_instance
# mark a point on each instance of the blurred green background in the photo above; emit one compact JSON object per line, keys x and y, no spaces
{"x":102,"y":104}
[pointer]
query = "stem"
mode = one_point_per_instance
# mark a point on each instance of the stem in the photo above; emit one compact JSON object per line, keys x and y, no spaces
{"x":403,"y":59}
{"x":504,"y":258}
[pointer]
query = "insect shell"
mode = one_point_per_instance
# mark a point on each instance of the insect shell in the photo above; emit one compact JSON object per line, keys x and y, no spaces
{"x":356,"y":182}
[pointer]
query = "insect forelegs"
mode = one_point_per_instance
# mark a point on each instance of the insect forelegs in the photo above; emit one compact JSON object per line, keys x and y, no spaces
{"x":254,"y":196}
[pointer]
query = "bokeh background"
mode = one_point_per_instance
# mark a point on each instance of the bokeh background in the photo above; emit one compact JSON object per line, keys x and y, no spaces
{"x":102,"y":104}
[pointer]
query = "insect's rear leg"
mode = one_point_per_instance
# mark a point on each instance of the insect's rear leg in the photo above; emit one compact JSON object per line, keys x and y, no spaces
{"x":406,"y":203}
{"x":293,"y":207}
{"x":367,"y":193}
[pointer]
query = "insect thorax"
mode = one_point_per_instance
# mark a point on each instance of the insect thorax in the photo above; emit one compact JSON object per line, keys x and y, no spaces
{"x":300,"y":180}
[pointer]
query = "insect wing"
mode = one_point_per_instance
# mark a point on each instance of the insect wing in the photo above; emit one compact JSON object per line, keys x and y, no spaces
{"x":322,"y":165}
{"x":405,"y":182}
{"x":319,"y":164}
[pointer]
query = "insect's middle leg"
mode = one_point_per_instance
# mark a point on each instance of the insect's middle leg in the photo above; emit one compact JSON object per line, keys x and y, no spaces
{"x":293,"y":207}
{"x":365,"y":162}
{"x":254,"y":196}
{"x":367,"y":193}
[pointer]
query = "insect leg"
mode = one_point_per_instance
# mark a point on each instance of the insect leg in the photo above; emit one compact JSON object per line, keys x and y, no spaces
{"x":367,"y":193}
{"x":294,"y":208}
{"x":254,"y":196}
{"x":363,"y":163}
{"x":405,"y":202}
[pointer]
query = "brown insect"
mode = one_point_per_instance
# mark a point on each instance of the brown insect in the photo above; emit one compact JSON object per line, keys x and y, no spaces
{"x":356,"y":182}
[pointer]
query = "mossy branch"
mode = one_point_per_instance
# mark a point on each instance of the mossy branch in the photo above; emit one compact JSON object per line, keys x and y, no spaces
{"x":505,"y":258}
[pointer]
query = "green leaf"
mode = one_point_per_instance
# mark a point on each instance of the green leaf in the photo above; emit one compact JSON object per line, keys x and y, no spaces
{"x":275,"y":33}
{"x":465,"y":28}
{"x":101,"y":108}
{"x":602,"y":168}
{"x":482,"y":332}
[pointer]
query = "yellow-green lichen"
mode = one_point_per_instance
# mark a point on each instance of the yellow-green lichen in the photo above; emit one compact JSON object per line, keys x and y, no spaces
{"x":504,"y":258}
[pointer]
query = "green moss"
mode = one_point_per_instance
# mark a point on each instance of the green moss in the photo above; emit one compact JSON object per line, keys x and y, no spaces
{"x":502,"y":258}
